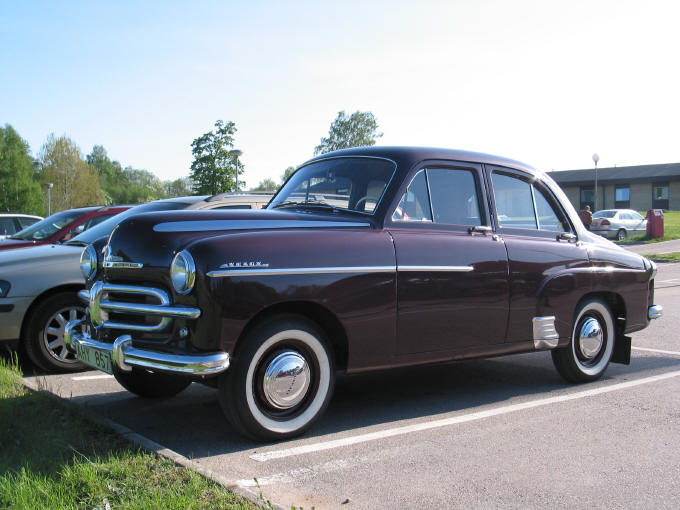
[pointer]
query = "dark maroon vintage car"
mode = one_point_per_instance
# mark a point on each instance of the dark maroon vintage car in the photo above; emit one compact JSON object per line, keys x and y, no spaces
{"x":366,"y":259}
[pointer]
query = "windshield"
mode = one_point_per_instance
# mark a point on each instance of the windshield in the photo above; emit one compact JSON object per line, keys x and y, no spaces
{"x":352,"y":183}
{"x":105,"y":228}
{"x":604,"y":214}
{"x":50,"y":225}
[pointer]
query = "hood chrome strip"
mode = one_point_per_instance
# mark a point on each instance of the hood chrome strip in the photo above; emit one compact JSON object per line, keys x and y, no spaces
{"x":335,"y":270}
{"x":210,"y":225}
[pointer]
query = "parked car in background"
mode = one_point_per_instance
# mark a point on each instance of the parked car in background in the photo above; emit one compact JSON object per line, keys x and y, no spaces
{"x":366,"y":258}
{"x":38,"y":286}
{"x":61,"y":226}
{"x":618,"y":223}
{"x":11,"y":223}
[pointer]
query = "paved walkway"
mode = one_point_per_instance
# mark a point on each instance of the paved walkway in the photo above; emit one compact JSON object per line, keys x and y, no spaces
{"x":647,"y":248}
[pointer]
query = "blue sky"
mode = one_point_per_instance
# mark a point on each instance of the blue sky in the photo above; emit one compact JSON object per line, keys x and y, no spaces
{"x":545,"y":82}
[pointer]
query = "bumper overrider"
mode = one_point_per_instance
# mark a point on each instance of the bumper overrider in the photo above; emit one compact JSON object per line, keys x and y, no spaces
{"x":122,"y":354}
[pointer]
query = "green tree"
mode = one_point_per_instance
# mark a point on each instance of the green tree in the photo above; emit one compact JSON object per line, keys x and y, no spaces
{"x":112,"y":179}
{"x":144,"y":186}
{"x":357,"y":130}
{"x":76,"y":183}
{"x":181,"y":187}
{"x":19,"y":189}
{"x":214,"y":168}
{"x":266,"y":185}
{"x":287,"y":173}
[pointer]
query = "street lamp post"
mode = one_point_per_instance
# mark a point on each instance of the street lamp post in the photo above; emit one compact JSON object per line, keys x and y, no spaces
{"x":49,"y":186}
{"x":596,"y":158}
{"x":236,"y":153}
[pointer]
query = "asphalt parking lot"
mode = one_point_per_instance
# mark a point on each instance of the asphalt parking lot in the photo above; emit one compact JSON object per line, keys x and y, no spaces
{"x":498,"y":433}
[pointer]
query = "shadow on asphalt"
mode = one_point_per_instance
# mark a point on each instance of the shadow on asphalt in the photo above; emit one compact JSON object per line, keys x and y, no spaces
{"x":193,"y":425}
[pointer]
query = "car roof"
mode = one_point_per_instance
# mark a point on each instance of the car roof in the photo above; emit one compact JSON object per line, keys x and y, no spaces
{"x":21,"y":215}
{"x":401,"y":154}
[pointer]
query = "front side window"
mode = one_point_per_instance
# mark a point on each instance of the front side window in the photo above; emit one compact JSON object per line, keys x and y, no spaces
{"x":415,"y":203}
{"x":441,"y":195}
{"x":522,"y":205}
{"x":353,"y":184}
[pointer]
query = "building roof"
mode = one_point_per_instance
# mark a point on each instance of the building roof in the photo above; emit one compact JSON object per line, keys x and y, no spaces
{"x":619,"y":175}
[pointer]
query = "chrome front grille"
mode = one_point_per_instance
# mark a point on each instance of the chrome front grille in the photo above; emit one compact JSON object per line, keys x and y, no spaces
{"x":107,"y":301}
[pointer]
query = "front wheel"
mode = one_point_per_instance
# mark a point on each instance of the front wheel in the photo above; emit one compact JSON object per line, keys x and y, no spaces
{"x":281,"y":380}
{"x":591,"y":346}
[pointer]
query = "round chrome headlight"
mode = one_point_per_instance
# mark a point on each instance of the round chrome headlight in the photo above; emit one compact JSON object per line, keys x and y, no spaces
{"x":88,"y":262}
{"x":183,"y":272}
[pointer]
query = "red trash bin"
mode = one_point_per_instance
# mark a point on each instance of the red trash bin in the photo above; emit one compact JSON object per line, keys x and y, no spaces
{"x":655,"y":223}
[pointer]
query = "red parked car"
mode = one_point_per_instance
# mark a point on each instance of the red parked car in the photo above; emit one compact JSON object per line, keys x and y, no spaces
{"x":61,"y":227}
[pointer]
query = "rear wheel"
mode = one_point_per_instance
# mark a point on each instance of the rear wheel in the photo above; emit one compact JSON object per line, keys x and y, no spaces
{"x":592,"y":343}
{"x":281,"y":380}
{"x":621,"y":234}
{"x":43,"y":338}
{"x":150,"y":384}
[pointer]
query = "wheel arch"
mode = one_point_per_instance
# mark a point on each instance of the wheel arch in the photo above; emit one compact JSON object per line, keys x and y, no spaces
{"x":615,"y":302}
{"x":326,"y":320}
{"x":74,"y":287}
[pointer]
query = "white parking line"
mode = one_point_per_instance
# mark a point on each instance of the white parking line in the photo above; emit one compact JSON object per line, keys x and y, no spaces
{"x":90,"y":377}
{"x":672,"y":353}
{"x":667,"y":281}
{"x":417,"y":427}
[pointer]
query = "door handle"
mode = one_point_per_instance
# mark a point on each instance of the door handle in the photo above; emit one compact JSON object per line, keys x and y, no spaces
{"x":566,"y":236}
{"x":480,"y":229}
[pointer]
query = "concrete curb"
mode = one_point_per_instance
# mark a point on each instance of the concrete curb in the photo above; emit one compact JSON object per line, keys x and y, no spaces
{"x":156,"y":448}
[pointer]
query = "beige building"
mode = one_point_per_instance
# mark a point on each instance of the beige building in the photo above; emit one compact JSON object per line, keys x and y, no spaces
{"x":640,"y":187}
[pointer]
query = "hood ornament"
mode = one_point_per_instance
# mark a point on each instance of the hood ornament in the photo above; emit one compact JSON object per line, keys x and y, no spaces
{"x":116,"y":262}
{"x":244,"y":265}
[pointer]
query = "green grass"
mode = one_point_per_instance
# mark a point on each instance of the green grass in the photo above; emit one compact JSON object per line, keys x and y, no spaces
{"x":671,"y":229}
{"x":664,"y":257}
{"x":51,"y":457}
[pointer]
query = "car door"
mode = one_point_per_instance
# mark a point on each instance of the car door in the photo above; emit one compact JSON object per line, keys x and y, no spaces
{"x":637,"y":223}
{"x":452,"y":287}
{"x":540,"y":241}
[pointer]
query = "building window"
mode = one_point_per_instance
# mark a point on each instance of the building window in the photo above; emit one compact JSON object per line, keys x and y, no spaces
{"x":587,"y":198}
{"x":622,"y":197}
{"x":660,"y":195}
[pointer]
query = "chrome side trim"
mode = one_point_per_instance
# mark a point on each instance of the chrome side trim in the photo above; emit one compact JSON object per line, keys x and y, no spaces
{"x":226,"y":225}
{"x":545,"y":334}
{"x":334,"y":270}
{"x":124,"y":356}
{"x":99,"y":306}
{"x":300,"y":270}
{"x":447,"y":269}
{"x":655,"y":312}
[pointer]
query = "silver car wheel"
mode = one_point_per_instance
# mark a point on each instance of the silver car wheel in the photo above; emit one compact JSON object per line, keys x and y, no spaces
{"x":53,"y":333}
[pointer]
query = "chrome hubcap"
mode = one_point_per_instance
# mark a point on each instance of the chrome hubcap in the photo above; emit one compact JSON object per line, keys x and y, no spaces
{"x":590,"y":338}
{"x":286,"y":380}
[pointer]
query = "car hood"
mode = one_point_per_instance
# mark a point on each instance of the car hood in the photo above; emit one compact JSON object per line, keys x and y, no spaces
{"x":45,"y":254}
{"x":154,"y":238}
{"x":10,"y":244}
{"x":32,"y":271}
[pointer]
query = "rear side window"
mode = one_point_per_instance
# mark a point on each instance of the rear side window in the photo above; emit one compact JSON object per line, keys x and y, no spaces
{"x":523,"y":205}
{"x":7,"y":226}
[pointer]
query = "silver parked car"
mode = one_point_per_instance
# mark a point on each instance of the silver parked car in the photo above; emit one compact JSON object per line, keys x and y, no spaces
{"x":618,"y":223}
{"x":39,"y":285}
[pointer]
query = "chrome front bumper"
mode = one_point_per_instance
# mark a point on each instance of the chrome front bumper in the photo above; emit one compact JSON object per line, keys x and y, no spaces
{"x":124,"y":355}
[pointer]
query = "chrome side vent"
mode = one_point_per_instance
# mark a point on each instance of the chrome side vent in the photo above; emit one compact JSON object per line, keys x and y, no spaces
{"x":545,"y":334}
